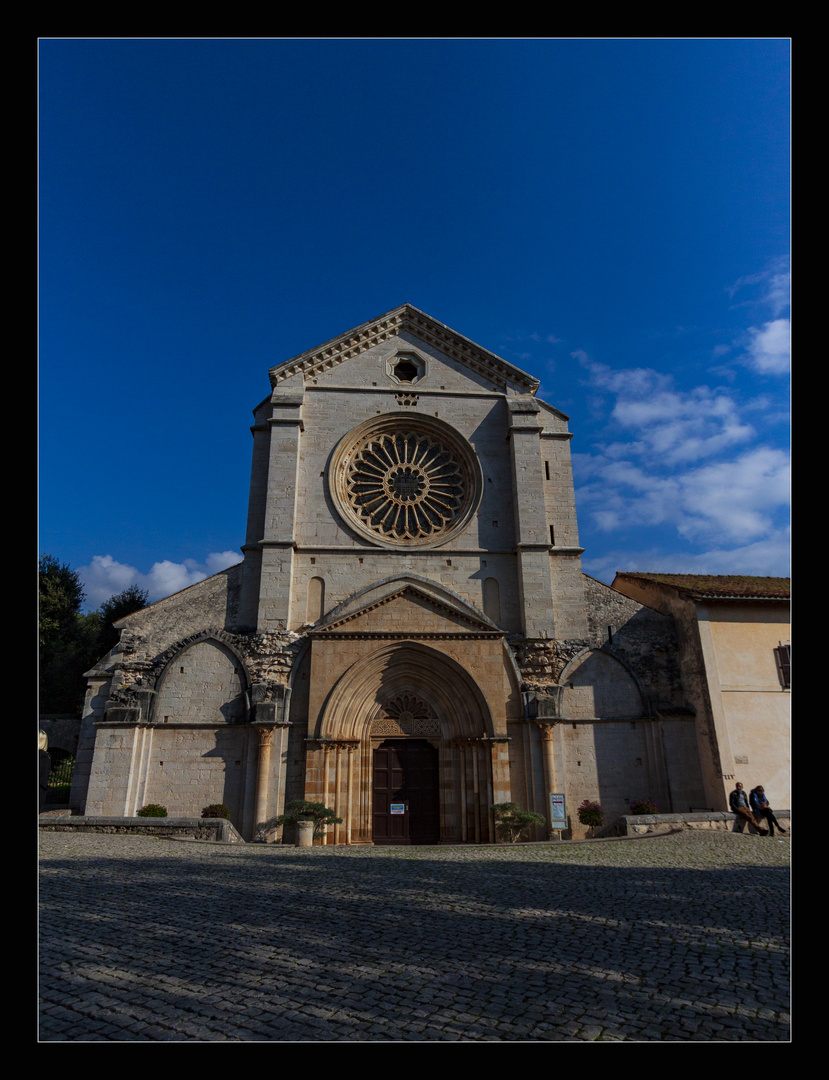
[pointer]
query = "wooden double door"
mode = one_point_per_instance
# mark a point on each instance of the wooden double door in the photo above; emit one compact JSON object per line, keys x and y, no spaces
{"x":405,"y":796}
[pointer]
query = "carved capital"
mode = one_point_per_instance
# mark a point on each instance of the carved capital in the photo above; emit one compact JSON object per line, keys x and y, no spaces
{"x":546,"y":729}
{"x":264,"y":733}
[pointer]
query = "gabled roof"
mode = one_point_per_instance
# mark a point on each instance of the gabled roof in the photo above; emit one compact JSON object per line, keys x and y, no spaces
{"x":405,"y":319}
{"x":464,"y":623}
{"x":717,"y":586}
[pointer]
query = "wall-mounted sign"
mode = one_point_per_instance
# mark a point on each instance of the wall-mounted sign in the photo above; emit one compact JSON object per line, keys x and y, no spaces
{"x":398,"y":808}
{"x":558,"y":812}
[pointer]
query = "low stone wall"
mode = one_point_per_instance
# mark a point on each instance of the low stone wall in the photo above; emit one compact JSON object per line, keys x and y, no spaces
{"x":217,"y":829}
{"x":641,"y":824}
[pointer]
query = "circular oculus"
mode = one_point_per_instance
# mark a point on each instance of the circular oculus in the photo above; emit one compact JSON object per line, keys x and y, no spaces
{"x":405,"y":481}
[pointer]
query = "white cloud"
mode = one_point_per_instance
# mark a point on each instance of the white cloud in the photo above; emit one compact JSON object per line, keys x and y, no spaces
{"x":769,"y":348}
{"x":687,"y":464}
{"x":778,"y":294}
{"x":736,"y":500}
{"x":221,"y":560}
{"x":776,"y":286}
{"x":722,"y":502}
{"x":104,"y":577}
{"x":769,"y":557}
{"x":688,"y":461}
{"x":678,"y":426}
{"x":766,"y":348}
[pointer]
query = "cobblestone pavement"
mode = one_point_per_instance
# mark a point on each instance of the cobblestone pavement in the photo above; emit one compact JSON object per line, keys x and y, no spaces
{"x":643,"y":940}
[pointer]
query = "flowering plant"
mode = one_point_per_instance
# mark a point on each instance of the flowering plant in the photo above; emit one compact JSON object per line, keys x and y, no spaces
{"x":644,"y":806}
{"x":590,"y":813}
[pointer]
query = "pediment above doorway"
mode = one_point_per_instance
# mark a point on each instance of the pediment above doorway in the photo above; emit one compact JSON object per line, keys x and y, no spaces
{"x":407,"y":611}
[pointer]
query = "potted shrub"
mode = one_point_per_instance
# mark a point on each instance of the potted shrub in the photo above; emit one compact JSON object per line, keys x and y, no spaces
{"x":644,"y":806}
{"x":511,"y":821}
{"x":591,"y":814}
{"x":152,"y":810}
{"x":302,"y":810}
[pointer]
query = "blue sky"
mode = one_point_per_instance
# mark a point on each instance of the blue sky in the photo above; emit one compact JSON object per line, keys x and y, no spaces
{"x":610,"y":215}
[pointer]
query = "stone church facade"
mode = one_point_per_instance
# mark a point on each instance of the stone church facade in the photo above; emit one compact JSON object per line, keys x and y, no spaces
{"x":410,"y":637}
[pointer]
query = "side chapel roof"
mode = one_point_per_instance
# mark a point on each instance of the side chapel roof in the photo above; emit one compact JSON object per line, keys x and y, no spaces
{"x":717,"y":586}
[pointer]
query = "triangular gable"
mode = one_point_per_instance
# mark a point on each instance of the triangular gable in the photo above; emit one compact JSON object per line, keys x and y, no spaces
{"x":405,"y":319}
{"x":407,"y":612}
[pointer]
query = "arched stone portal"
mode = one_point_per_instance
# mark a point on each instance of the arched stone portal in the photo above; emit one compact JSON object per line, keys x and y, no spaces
{"x":403,"y":692}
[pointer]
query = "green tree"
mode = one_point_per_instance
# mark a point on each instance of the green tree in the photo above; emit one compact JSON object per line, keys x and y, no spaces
{"x":118,"y":607}
{"x":61,"y":596}
{"x":67,"y":638}
{"x":71,"y":642}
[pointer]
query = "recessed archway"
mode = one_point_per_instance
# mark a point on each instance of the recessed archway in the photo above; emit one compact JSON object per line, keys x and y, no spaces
{"x":403,"y":692}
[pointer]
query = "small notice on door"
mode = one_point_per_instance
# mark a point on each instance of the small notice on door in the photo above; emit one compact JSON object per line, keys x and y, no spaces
{"x":398,"y":808}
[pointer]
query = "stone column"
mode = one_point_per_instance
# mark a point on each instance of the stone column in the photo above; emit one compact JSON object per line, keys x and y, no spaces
{"x":326,"y":751}
{"x":549,"y":770}
{"x":337,"y":807}
{"x":349,"y":803}
{"x":263,"y":766}
{"x":462,"y":756}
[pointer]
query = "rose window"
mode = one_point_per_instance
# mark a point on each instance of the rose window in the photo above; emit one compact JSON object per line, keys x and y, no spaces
{"x":405,"y":483}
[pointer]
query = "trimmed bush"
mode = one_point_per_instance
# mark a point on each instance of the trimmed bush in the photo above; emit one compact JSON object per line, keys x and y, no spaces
{"x":152,"y":810}
{"x":301,"y":810}
{"x":511,"y":821}
{"x":216,"y":810}
{"x":590,"y":813}
{"x":644,"y":806}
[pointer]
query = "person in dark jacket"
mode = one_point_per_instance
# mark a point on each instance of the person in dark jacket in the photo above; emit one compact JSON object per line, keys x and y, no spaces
{"x":760,"y":805}
{"x":739,"y":803}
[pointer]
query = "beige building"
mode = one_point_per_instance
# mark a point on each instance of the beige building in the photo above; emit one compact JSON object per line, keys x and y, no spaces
{"x":735,"y":651}
{"x":410,"y":637}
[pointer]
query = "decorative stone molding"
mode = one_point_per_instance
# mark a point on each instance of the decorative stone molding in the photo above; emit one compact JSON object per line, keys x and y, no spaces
{"x":481,"y":740}
{"x":406,"y":707}
{"x":541,"y":662}
{"x":407,"y":366}
{"x":266,"y":661}
{"x":270,"y":656}
{"x":542,"y":706}
{"x":336,"y":628}
{"x":264,"y":733}
{"x":405,"y":714}
{"x":327,"y":745}
{"x":386,"y":726}
{"x":404,"y":483}
{"x":405,"y":319}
